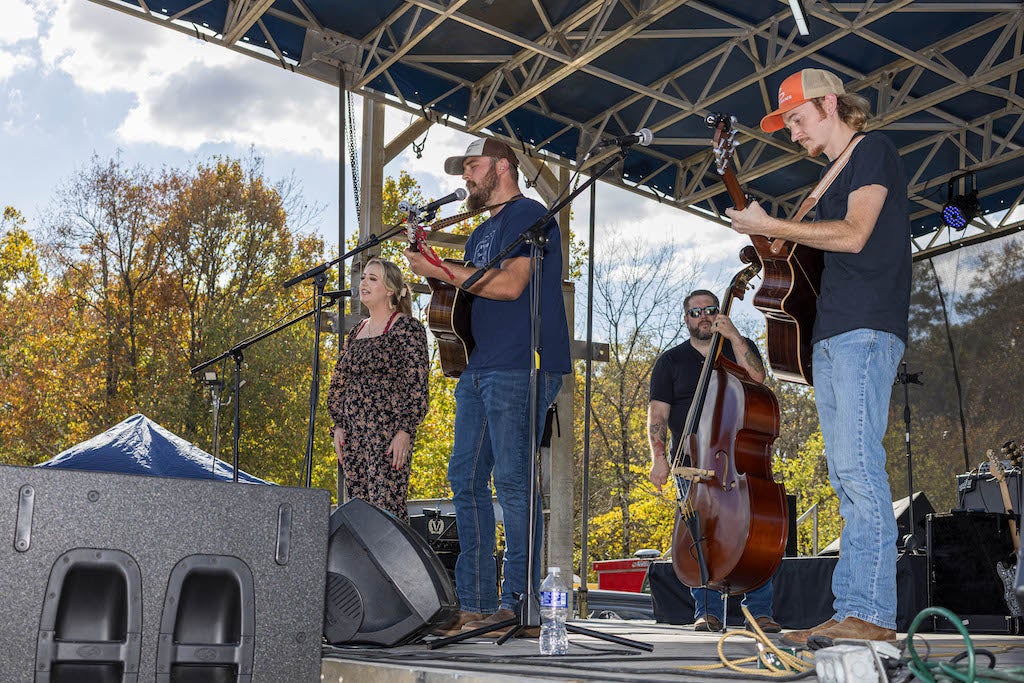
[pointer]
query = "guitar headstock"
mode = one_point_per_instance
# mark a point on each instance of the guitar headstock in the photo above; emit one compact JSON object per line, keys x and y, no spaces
{"x":995,"y":467}
{"x":1013,"y":452}
{"x":724,"y":140}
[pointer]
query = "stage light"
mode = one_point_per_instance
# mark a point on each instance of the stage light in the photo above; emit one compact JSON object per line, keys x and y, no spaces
{"x":800,"y":17}
{"x":960,"y":210}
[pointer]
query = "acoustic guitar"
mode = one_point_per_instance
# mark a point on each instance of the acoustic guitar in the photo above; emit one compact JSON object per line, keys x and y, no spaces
{"x":791,"y":275}
{"x":448,"y":317}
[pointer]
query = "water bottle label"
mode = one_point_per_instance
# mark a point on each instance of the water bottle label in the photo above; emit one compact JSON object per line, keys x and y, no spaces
{"x":554,"y":599}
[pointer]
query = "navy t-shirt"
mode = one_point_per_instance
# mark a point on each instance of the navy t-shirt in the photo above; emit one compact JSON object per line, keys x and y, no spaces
{"x":870,"y":289}
{"x":674,"y":381}
{"x":501,"y":329}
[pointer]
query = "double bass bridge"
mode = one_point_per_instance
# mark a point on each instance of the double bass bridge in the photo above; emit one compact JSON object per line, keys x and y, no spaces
{"x":693,"y":473}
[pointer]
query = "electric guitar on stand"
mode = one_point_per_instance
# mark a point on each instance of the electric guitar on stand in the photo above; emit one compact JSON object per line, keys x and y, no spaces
{"x":1007,"y":569}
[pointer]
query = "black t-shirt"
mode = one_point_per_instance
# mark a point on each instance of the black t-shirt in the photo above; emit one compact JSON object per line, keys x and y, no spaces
{"x":870,"y":289}
{"x":674,"y":381}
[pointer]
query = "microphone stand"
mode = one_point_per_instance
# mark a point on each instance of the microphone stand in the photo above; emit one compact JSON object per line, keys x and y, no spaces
{"x":910,"y":542}
{"x":236,"y":353}
{"x":528,"y":609}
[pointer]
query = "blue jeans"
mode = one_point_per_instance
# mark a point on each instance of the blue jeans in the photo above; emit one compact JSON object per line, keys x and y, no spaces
{"x":758,"y":601}
{"x":853,"y":377}
{"x":492,"y":425}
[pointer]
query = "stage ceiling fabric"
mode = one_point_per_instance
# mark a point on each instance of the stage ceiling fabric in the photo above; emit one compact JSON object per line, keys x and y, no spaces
{"x":551,"y":76}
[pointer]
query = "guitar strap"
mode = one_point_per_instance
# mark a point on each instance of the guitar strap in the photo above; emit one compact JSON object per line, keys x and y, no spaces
{"x":777,"y":245}
{"x":420,"y":239}
{"x":827,"y":179}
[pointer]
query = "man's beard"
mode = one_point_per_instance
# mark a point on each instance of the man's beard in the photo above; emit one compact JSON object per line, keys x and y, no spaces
{"x":480,"y":195}
{"x":815,"y":151}
{"x":696,"y":333}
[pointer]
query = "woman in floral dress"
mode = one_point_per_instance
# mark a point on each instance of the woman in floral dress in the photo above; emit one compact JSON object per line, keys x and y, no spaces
{"x":378,"y":392}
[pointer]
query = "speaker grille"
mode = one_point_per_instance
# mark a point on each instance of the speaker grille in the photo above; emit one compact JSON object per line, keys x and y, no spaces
{"x":343,"y":609}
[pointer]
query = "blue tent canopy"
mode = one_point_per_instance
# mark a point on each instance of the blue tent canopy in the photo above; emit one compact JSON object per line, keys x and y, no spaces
{"x":138,"y":445}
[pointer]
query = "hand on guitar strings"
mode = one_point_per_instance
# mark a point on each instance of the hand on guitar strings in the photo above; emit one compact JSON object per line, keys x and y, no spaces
{"x":750,"y":221}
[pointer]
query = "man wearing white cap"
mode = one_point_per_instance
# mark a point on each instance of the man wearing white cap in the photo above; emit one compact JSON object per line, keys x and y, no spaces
{"x":492,"y":396}
{"x":860,"y":332}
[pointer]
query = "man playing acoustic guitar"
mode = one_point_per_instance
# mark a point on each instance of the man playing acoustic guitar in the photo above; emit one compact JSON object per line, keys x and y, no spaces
{"x":492,"y":396}
{"x":860,"y":332}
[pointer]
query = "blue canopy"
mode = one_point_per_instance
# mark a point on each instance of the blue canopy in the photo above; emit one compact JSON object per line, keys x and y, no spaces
{"x":138,"y":445}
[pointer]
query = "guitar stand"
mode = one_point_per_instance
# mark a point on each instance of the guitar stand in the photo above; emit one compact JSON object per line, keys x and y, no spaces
{"x":519,"y":622}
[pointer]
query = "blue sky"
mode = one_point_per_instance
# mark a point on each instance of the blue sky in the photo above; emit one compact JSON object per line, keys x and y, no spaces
{"x":80,"y":79}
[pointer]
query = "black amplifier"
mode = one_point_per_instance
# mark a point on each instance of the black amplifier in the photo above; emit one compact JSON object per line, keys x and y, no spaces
{"x":438,"y":529}
{"x":966,"y":552}
{"x":979,"y":491}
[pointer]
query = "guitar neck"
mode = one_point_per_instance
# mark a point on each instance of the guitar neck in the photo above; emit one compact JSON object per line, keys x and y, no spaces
{"x":1008,"y":504}
{"x":996,"y":470}
{"x":739,"y":199}
{"x":736,"y":194}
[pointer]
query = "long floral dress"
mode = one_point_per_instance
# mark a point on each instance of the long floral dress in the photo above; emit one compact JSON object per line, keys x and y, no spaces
{"x":378,"y":388}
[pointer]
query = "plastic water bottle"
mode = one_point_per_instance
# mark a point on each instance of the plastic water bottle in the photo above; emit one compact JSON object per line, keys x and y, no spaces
{"x":554,"y":609}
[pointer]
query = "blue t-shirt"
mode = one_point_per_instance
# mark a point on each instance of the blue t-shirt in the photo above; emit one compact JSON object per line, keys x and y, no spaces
{"x":871,"y":289}
{"x":501,"y":329}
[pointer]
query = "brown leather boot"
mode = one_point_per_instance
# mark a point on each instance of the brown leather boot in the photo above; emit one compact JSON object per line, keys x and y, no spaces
{"x":708,"y":622}
{"x":454,"y":625}
{"x":799,"y":638}
{"x":498,"y":617}
{"x":852,"y":628}
{"x":767,"y":624}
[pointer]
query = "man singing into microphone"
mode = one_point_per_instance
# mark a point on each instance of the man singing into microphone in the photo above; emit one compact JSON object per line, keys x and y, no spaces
{"x":492,"y":397}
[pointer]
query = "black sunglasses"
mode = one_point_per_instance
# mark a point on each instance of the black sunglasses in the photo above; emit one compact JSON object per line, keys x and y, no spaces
{"x":707,"y":310}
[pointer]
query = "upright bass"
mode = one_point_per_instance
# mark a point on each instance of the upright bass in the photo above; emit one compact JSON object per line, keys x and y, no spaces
{"x":731,"y":525}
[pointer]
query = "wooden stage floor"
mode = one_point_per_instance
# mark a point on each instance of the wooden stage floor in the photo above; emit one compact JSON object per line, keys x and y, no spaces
{"x":482,"y":661}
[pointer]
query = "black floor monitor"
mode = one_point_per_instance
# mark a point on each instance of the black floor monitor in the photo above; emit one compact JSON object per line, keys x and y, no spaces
{"x":385,"y":586}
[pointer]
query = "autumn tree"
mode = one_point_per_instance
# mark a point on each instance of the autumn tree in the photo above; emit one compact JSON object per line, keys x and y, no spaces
{"x":638,"y":294}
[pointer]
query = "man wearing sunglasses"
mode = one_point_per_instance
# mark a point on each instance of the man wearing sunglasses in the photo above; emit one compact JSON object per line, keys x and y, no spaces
{"x":862,"y":225}
{"x":673,"y":384}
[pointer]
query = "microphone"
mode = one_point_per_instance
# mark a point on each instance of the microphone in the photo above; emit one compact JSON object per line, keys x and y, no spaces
{"x":642,"y":137}
{"x":456,"y":196}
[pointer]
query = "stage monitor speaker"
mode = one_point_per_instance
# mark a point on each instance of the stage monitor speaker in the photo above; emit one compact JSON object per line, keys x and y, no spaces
{"x":922,"y":508}
{"x":963,"y":549}
{"x":115,"y":578}
{"x":385,"y":586}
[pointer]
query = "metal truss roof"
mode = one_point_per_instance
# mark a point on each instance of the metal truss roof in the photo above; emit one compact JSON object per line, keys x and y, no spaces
{"x":552,"y":76}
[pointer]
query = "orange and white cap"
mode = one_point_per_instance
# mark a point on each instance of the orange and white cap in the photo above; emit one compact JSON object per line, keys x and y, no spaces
{"x":799,"y":88}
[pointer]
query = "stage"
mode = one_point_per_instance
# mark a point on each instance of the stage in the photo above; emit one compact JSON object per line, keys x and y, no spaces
{"x":481,"y":661}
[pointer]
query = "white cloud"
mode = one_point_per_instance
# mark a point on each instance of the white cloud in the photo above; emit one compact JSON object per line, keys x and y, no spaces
{"x":19,"y":21}
{"x":10,"y":62}
{"x":188,"y":92}
{"x":243,"y":104}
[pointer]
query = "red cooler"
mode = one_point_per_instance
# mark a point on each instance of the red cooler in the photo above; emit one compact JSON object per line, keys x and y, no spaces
{"x":622,"y":575}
